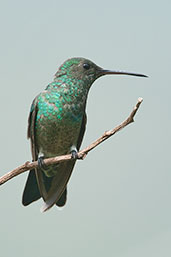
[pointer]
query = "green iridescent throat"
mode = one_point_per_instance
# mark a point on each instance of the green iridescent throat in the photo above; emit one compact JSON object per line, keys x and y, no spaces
{"x":62,"y":101}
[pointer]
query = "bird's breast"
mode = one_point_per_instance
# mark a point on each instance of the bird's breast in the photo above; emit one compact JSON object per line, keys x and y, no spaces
{"x":57,"y":124}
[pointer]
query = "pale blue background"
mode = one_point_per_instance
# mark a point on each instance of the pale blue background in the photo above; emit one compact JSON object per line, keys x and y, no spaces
{"x":119,"y":197}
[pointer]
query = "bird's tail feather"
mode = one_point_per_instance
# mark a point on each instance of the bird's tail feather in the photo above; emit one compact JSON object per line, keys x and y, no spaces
{"x":57,"y":192}
{"x":31,"y":191}
{"x":62,"y":200}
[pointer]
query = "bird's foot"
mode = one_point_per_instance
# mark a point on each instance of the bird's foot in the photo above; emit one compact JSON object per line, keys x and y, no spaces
{"x":41,"y":163}
{"x":74,"y":154}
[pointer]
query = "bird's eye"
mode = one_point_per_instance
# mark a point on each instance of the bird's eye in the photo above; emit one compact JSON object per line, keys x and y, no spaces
{"x":86,"y":66}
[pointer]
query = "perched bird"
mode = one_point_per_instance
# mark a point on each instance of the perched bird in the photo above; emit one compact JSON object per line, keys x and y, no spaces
{"x":56,"y":126}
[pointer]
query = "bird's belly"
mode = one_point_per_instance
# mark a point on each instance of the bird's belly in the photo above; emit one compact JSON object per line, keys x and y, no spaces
{"x":55,"y":136}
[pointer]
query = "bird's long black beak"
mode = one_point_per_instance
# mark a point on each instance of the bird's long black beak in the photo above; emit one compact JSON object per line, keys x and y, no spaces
{"x":108,"y":72}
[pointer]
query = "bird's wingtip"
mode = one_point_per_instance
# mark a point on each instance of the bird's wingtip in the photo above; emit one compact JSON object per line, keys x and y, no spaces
{"x":44,"y":208}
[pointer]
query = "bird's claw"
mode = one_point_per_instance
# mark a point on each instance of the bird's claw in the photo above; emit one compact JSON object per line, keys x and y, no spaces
{"x":41,"y":163}
{"x":74,"y":154}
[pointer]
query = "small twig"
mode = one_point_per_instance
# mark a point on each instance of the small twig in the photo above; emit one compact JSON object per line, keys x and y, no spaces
{"x":81,"y":155}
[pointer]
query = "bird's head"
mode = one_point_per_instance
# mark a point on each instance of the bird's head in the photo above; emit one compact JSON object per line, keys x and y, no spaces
{"x":85,"y":70}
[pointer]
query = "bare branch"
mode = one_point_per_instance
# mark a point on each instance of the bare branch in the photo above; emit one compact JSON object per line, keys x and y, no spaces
{"x":81,"y":155}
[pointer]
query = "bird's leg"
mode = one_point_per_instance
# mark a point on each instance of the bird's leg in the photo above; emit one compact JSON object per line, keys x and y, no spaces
{"x":74,"y":152}
{"x":41,"y":163}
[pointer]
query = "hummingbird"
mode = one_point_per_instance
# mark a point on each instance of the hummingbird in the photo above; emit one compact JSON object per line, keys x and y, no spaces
{"x":56,"y":126}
